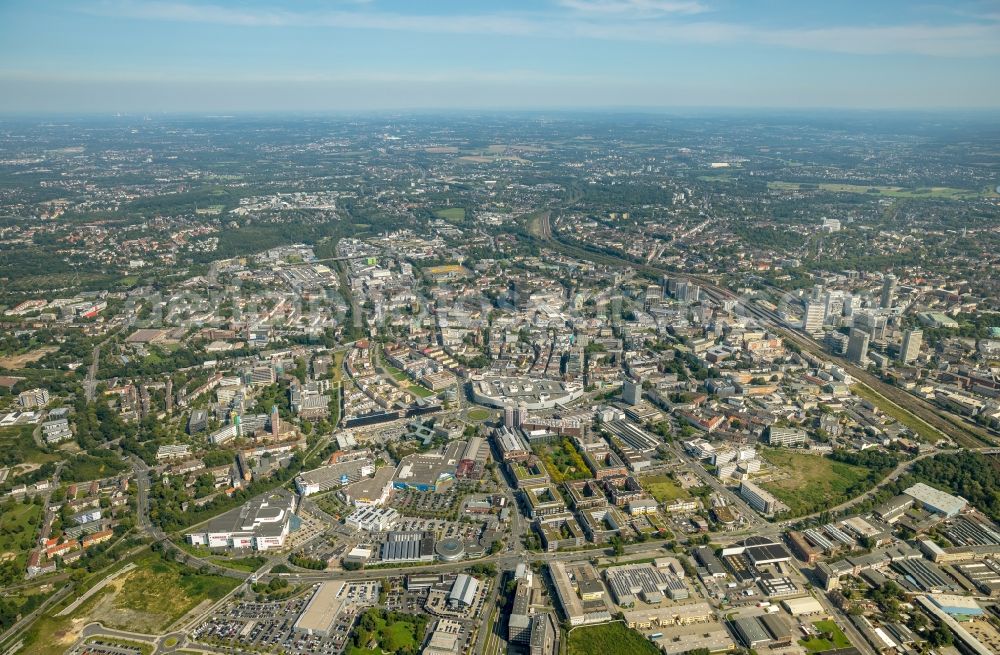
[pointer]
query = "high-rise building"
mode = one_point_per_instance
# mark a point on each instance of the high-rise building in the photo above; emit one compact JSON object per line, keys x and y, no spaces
{"x":520,"y":415}
{"x":275,"y":421}
{"x":911,"y":345}
{"x":514,"y":415}
{"x":687,"y":292}
{"x":812,"y":320}
{"x":888,"y":291}
{"x":857,"y":346}
{"x":632,"y":391}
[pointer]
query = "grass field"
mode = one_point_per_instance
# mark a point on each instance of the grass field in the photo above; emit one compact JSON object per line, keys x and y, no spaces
{"x":396,"y":374}
{"x":157,"y":593}
{"x":938,"y":192}
{"x":478,"y":414}
{"x":451,"y":214}
{"x":609,"y":639}
{"x":18,"y":526}
{"x":417,"y":390}
{"x":819,"y":644}
{"x":53,"y":635}
{"x":812,"y":482}
{"x":922,"y":429}
{"x":663,"y":488}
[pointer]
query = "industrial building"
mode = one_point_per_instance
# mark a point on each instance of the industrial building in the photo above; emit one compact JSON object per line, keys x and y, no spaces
{"x":936,"y":501}
{"x":970,"y":643}
{"x":750,"y":631}
{"x":412,"y":546}
{"x":645,"y":582}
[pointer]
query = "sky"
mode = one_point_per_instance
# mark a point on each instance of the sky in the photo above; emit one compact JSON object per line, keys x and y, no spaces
{"x":85,"y":56}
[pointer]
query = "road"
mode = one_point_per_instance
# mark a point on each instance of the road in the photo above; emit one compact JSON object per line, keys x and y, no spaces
{"x":483,"y":631}
{"x":90,"y":383}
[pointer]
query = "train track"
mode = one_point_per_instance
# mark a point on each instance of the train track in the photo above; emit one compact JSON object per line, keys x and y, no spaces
{"x":953,"y":427}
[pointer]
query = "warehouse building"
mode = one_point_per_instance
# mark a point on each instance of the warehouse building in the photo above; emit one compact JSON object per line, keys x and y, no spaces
{"x":936,"y":501}
{"x":412,"y":546}
{"x":750,"y":631}
{"x":320,"y":613}
{"x":970,"y":643}
{"x":642,"y":581}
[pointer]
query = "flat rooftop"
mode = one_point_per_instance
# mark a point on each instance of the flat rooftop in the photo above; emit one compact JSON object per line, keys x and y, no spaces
{"x":322,"y":608}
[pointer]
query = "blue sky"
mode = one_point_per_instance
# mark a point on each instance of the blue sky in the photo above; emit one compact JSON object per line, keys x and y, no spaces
{"x":316,"y":55}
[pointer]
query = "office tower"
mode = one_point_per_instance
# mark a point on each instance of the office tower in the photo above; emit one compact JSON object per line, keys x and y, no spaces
{"x":837,"y":341}
{"x":857,"y":346}
{"x":275,"y":421}
{"x":681,"y":291}
{"x":812,"y":320}
{"x":508,"y":415}
{"x":911,"y":345}
{"x":632,"y":391}
{"x":888,"y":291}
{"x":827,"y":305}
{"x":520,"y":415}
{"x":514,"y":415}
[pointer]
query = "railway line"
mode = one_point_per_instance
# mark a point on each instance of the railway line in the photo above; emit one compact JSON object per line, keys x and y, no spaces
{"x":947,"y":424}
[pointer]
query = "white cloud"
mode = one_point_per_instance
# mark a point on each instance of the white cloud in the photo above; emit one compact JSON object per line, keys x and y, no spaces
{"x":634,"y":7}
{"x":971,"y":39}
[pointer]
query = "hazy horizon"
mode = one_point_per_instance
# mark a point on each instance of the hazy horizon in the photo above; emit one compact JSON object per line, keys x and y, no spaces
{"x":100,"y":56}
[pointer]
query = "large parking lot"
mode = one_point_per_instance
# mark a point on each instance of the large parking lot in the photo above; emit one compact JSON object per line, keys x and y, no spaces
{"x":270,"y":626}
